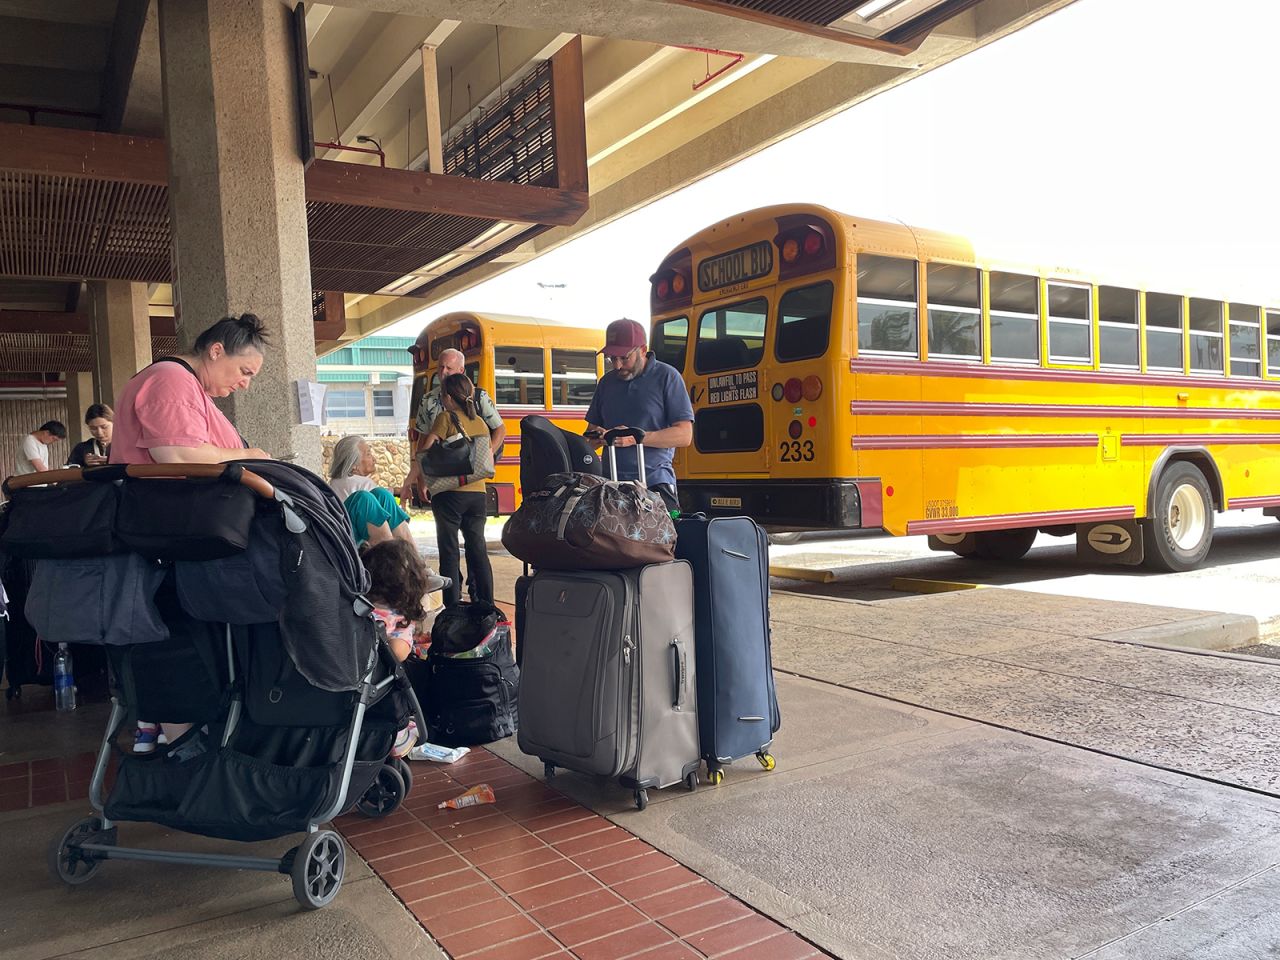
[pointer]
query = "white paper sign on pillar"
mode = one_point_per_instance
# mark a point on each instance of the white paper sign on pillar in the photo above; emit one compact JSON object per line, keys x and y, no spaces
{"x":311,"y":403}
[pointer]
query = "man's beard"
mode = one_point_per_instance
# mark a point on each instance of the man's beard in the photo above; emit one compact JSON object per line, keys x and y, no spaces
{"x":626,"y":374}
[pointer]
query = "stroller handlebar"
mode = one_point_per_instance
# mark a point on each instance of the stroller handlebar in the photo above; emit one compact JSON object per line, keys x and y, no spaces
{"x":232,"y":472}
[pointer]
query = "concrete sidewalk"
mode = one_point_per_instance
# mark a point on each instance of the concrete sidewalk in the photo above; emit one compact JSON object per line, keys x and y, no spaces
{"x":968,"y":775}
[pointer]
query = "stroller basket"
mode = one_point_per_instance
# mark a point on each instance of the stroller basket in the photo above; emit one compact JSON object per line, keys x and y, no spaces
{"x":285,"y":734}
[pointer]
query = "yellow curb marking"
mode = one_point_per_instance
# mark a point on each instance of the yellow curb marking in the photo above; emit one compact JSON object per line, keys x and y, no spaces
{"x":912,"y":585}
{"x":801,"y":573}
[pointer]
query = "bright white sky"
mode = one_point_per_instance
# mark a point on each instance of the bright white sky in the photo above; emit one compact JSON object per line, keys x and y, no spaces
{"x":1134,"y":137}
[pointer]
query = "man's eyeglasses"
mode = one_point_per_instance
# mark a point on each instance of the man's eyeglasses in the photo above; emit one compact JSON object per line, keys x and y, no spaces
{"x":617,"y":360}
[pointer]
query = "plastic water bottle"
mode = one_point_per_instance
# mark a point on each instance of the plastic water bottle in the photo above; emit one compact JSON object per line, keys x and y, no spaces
{"x":64,"y":681}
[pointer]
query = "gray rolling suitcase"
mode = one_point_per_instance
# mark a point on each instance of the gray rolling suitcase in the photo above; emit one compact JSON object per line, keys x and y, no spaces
{"x":608,"y":683}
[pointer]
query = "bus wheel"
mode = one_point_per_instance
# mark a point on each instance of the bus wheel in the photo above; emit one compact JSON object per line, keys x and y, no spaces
{"x":1006,"y":545}
{"x":1180,"y":529}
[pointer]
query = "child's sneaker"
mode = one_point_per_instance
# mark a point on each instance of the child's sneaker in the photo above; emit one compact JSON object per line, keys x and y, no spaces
{"x":146,"y":737}
{"x":405,"y":740}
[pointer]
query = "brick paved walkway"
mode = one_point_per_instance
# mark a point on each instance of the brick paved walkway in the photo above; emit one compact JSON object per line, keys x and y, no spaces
{"x":538,"y":875}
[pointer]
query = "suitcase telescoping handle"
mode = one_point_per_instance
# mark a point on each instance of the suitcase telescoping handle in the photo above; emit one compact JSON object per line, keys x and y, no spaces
{"x":679,"y":674}
{"x":611,"y":436}
{"x":232,"y":472}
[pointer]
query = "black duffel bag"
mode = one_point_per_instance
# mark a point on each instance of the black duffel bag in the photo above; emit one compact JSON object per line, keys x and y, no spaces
{"x":188,"y":519}
{"x":61,"y":521}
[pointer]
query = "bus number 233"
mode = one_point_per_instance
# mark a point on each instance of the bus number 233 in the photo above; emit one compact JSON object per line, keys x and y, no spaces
{"x":793,"y":451}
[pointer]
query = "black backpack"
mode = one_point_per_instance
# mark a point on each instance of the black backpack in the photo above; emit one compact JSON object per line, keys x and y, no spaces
{"x":467,"y":700}
{"x":546,"y":449}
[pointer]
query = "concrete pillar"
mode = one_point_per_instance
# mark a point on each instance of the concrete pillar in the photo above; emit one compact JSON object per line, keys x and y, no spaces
{"x":121,"y":340}
{"x":80,"y":394}
{"x":237,"y":199}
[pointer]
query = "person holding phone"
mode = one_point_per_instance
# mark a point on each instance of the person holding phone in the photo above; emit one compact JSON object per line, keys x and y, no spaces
{"x":643,"y":392}
{"x":95,"y":451}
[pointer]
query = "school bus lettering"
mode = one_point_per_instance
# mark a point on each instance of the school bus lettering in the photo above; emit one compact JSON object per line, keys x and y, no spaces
{"x":733,"y":387}
{"x":736,"y":267}
{"x":941,"y":510}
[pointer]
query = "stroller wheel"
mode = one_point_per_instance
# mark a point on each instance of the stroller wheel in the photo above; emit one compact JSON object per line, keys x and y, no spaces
{"x":406,"y":772}
{"x":318,"y":865}
{"x":67,"y":862}
{"x":384,"y":795}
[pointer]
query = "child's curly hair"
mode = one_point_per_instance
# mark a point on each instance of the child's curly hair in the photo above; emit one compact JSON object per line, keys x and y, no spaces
{"x":399,"y":577}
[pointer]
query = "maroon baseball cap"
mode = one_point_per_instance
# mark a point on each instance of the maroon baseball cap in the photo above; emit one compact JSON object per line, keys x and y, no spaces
{"x":623,"y":336}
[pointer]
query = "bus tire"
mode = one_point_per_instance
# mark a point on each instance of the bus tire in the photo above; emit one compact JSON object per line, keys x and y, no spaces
{"x":1179,"y":532}
{"x":1004,"y":545}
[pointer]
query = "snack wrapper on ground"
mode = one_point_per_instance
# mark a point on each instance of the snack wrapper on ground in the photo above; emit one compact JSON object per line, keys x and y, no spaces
{"x":480,"y":793}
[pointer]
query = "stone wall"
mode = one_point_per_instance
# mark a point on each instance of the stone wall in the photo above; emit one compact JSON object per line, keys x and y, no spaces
{"x":390,"y":459}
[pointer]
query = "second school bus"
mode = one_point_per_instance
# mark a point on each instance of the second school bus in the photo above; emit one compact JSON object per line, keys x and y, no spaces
{"x":853,"y":374}
{"x":527,"y":366}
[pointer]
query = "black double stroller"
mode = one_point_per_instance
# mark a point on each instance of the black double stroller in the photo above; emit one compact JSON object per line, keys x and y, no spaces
{"x":229,"y":598}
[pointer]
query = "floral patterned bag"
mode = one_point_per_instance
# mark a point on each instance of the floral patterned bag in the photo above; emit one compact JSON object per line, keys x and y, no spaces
{"x":581,"y":521}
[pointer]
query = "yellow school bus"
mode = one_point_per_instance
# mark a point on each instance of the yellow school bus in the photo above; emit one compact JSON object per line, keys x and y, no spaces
{"x":526,"y":365}
{"x":858,"y":375}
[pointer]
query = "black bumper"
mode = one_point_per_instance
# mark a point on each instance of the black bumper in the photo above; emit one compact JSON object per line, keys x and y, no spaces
{"x":820,"y":504}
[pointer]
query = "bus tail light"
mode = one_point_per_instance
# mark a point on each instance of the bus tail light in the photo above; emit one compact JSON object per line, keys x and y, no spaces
{"x":670,"y":286}
{"x":806,"y":244}
{"x":793,"y":390}
{"x":794,"y":429}
{"x":811,"y":388}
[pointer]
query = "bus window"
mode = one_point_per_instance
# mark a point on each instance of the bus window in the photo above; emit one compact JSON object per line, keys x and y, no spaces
{"x":1070,"y":323}
{"x":1273,"y":342}
{"x":804,"y":322}
{"x":1164,"y":332}
{"x":1206,"y":336}
{"x":1246,"y":352}
{"x":887,"y":305}
{"x":955,"y":312}
{"x":1015,"y":318}
{"x":1118,"y":327}
{"x":518,"y":377}
{"x":731,"y":337}
{"x":670,"y":341}
{"x":573,"y":377}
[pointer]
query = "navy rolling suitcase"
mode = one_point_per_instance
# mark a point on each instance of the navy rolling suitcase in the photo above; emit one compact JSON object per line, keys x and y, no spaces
{"x":737,"y":703}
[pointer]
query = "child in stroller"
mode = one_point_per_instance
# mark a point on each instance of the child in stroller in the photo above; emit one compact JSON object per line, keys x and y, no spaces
{"x":400,"y":582}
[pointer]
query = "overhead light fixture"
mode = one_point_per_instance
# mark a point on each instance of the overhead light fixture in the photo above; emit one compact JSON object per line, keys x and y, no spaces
{"x":874,"y":8}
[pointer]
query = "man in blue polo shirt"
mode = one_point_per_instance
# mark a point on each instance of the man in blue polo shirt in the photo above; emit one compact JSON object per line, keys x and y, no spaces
{"x":641,"y":391}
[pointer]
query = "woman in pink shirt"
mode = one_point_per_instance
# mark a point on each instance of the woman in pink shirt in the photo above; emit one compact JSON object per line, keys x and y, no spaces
{"x":165,"y":413}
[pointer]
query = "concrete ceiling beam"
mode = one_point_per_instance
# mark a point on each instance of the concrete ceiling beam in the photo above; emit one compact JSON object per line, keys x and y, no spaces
{"x":75,"y":11}
{"x":72,"y":46}
{"x":317,"y":14}
{"x":383,"y":68}
{"x":654,"y":21}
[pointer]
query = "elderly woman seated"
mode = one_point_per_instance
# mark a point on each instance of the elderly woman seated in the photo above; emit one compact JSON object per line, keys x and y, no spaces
{"x":375,"y":515}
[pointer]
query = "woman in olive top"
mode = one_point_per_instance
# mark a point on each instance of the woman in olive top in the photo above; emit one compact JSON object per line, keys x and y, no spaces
{"x":463,"y":508}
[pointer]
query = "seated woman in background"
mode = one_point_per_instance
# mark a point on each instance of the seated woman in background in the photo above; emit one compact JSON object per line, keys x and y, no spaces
{"x":375,"y":515}
{"x":95,"y":451}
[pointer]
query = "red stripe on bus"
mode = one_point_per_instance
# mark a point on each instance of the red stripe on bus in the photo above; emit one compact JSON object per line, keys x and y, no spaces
{"x":934,"y":368}
{"x":1199,"y":439}
{"x":514,"y":413}
{"x":966,"y":409}
{"x":1009,"y":521}
{"x":972,"y":440}
{"x":1244,"y":503}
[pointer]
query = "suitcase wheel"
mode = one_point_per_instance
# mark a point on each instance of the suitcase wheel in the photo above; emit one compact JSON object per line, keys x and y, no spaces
{"x":715,"y":777}
{"x":642,"y":798}
{"x":766,"y":760}
{"x":548,"y":769}
{"x":691,"y":781}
